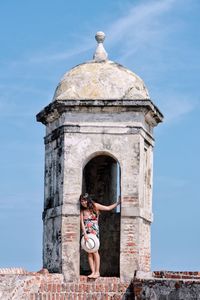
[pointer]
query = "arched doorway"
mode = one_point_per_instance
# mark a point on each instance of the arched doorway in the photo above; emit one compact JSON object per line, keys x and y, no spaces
{"x":101,"y":179}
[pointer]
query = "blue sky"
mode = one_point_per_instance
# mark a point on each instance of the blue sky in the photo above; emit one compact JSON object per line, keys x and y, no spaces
{"x":159,"y":41}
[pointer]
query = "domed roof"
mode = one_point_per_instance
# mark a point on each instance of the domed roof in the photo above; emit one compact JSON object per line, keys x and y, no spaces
{"x":100,"y":79}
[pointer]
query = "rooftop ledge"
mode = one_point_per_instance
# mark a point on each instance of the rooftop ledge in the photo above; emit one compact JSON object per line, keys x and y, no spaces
{"x":56,"y":108}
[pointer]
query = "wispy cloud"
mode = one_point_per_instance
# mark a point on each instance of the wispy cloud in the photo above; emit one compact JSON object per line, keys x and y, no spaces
{"x":139,"y":26}
{"x":176,"y":107}
{"x":138,"y":17}
{"x":143,"y":28}
{"x":60,"y":56}
{"x":11,"y":99}
{"x":46,"y":56}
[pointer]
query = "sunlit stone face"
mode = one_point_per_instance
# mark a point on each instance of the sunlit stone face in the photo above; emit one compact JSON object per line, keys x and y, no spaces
{"x":104,"y":148}
{"x":100,"y":80}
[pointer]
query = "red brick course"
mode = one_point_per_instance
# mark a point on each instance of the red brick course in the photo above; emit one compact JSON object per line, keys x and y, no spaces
{"x":44,"y":286}
{"x":177,"y":275}
{"x":130,"y":199}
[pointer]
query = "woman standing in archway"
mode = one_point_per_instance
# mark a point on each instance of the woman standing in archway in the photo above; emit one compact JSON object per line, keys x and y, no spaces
{"x":89,"y":216}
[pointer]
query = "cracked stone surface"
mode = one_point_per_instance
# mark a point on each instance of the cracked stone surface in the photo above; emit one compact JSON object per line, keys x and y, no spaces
{"x":100,"y":80}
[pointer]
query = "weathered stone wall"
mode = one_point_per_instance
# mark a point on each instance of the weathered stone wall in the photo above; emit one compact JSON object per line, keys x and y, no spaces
{"x":54,"y":145}
{"x":135,"y":245}
{"x":52,"y":244}
{"x":113,"y":145}
{"x":52,"y":258}
{"x":168,"y":286}
{"x":70,"y":247}
{"x":75,"y":138}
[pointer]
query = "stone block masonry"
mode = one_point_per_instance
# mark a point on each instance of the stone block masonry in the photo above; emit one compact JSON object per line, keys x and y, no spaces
{"x":99,"y":139}
{"x":168,"y":286}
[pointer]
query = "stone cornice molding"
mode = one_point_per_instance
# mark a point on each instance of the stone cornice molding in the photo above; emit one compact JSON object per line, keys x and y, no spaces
{"x":139,"y":212}
{"x":130,"y":212}
{"x":76,"y":128}
{"x":52,"y":111}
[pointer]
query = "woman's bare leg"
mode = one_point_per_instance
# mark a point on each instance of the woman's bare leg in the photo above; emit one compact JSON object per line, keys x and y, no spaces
{"x":91,"y":263}
{"x":96,"y":264}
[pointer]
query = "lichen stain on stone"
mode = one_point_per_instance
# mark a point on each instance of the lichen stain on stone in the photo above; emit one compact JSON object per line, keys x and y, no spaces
{"x":106,"y":80}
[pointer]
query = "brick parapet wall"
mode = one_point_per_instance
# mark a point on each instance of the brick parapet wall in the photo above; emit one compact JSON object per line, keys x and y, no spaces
{"x":45,"y":286}
{"x":177,"y":275}
{"x":18,"y":284}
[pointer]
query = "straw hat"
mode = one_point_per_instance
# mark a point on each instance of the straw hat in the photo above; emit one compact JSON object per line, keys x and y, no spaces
{"x":92,"y":244}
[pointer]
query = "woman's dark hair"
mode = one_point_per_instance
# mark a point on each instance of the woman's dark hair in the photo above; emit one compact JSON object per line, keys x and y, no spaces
{"x":90,"y":203}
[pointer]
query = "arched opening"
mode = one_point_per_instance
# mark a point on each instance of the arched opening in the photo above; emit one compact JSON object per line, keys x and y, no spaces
{"x":101,"y":179}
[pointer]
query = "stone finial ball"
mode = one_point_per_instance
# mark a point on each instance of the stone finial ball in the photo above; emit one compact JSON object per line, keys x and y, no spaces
{"x":100,"y":36}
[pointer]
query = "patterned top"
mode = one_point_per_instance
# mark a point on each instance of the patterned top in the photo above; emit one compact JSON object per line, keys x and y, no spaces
{"x":91,"y":223}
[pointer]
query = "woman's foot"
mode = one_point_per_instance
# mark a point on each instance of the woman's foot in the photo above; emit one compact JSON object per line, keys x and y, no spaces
{"x":96,"y":275}
{"x":91,"y":275}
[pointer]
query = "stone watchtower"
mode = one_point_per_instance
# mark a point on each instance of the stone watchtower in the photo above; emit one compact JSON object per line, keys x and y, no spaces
{"x":99,"y":139}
